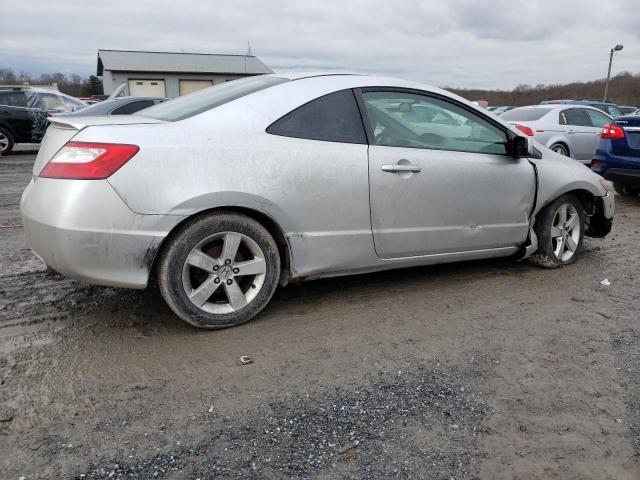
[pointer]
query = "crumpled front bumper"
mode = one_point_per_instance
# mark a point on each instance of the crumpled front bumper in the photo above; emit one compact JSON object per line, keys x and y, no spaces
{"x":601,"y":221}
{"x":82,"y":229}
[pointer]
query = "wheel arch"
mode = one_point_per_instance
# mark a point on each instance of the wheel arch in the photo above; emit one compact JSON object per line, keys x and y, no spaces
{"x":592,"y":205}
{"x":272,"y":226}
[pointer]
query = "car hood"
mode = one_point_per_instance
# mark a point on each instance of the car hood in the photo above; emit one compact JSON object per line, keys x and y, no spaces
{"x":558,"y":175}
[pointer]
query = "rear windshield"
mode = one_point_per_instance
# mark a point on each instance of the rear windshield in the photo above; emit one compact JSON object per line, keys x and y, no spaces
{"x":202,"y":100}
{"x":525,"y":114}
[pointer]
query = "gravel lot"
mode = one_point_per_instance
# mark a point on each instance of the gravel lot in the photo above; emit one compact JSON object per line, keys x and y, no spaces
{"x":492,"y":370}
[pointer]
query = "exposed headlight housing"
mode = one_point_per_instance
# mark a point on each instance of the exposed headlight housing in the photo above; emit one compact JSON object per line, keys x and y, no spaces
{"x":606,"y":184}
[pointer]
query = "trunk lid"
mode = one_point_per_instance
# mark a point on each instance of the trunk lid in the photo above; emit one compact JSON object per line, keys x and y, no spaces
{"x":63,"y":129}
{"x":630,"y":145}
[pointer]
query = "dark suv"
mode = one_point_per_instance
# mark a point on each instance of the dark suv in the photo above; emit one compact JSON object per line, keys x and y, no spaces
{"x":24,"y":112}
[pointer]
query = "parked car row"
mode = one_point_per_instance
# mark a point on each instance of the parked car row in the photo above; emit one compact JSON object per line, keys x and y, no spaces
{"x":25,"y":112}
{"x":571,"y":130}
{"x":583,"y":131}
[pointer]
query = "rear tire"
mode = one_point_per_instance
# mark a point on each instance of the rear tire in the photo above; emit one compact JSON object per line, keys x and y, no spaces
{"x":560,"y":148}
{"x":560,"y":230}
{"x":219,"y":270}
{"x":6,"y":142}
{"x":625,"y":190}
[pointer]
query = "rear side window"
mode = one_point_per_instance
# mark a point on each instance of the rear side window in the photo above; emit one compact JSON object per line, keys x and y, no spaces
{"x":211,"y":97}
{"x":524,"y":114}
{"x":132,"y":107}
{"x":574,"y":116}
{"x":598,"y":119}
{"x":13,"y":99}
{"x":332,"y":118}
{"x":614,"y":111}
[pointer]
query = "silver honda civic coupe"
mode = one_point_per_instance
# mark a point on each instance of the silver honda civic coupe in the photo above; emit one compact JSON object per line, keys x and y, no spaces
{"x":229,"y":191}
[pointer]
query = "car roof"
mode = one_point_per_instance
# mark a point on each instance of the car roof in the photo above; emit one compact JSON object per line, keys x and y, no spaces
{"x":558,"y":106}
{"x":294,"y":75}
{"x":135,"y":98}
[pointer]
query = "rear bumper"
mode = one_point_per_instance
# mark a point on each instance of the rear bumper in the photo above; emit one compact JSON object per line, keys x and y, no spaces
{"x":625,"y":176}
{"x":83,"y":230}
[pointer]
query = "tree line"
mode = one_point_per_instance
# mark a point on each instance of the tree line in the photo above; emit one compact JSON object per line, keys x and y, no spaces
{"x":73,"y":85}
{"x":624,"y":89}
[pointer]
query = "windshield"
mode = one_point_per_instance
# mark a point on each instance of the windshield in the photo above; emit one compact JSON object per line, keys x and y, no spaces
{"x":524,"y":114}
{"x":197,"y":102}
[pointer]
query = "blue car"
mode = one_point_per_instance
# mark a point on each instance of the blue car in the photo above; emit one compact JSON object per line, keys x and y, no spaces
{"x":617,"y":157}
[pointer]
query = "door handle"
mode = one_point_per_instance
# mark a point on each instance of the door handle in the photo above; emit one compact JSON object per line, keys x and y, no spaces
{"x":398,"y":168}
{"x":571,"y":131}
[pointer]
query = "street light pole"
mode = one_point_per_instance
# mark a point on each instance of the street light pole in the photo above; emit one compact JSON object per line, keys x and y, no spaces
{"x":617,"y":48}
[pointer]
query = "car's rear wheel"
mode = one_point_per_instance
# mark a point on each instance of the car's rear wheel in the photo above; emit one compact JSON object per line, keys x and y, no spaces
{"x":626,"y":190}
{"x":6,"y":141}
{"x":219,"y":270}
{"x":560,"y":230}
{"x":560,"y":148}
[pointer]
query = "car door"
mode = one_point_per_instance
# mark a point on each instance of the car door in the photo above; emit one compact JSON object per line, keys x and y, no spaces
{"x":579,"y":132}
{"x":14,"y":115}
{"x":433,"y":193}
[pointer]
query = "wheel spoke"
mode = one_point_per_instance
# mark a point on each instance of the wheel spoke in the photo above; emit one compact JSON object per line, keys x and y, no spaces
{"x":562,"y":215}
{"x":252,"y":267}
{"x":571,"y":244}
{"x":236,"y":297}
{"x":201,"y":294}
{"x":556,"y":232}
{"x":230,"y":247}
{"x":572,"y":222}
{"x":199,"y":259}
{"x":560,"y":248}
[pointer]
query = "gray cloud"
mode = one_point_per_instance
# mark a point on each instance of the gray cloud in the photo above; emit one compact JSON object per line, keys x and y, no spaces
{"x":463,"y":43}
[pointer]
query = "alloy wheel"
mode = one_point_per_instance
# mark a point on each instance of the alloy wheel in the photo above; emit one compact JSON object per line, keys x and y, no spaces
{"x":4,"y":142}
{"x":560,"y":149}
{"x":565,"y":232}
{"x":224,"y":272}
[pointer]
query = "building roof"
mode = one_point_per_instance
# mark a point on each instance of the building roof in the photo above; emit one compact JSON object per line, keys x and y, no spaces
{"x":136,"y":61}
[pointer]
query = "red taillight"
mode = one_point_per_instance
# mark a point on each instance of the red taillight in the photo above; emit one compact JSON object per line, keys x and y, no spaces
{"x":611,"y":131}
{"x":525,"y":130}
{"x":88,"y":161}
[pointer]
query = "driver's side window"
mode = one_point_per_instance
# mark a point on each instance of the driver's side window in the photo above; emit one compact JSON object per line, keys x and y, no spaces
{"x":404,"y":119}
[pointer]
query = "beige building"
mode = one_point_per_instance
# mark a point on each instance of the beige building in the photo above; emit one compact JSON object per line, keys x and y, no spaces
{"x":165,"y":74}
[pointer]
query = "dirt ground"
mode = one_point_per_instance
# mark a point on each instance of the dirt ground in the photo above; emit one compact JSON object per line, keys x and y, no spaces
{"x":491,"y":370}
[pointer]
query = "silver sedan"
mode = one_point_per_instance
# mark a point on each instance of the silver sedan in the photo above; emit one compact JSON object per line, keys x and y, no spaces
{"x":570,"y":130}
{"x":229,"y":191}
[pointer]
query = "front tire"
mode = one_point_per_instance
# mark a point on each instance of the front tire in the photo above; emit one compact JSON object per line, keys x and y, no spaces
{"x":219,"y":270}
{"x":560,"y":230}
{"x":625,"y":190}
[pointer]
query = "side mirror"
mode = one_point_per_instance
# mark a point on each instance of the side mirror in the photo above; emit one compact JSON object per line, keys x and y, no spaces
{"x":519,"y":146}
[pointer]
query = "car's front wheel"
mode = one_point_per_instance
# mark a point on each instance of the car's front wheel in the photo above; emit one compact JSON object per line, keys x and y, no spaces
{"x":625,"y":190}
{"x":560,"y":230}
{"x":219,"y":270}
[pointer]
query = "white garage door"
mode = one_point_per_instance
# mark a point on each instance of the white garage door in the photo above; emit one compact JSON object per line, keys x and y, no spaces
{"x":188,"y":86}
{"x":147,"y":88}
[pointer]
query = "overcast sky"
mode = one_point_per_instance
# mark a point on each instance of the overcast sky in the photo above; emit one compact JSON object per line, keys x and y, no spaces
{"x":461,"y":43}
